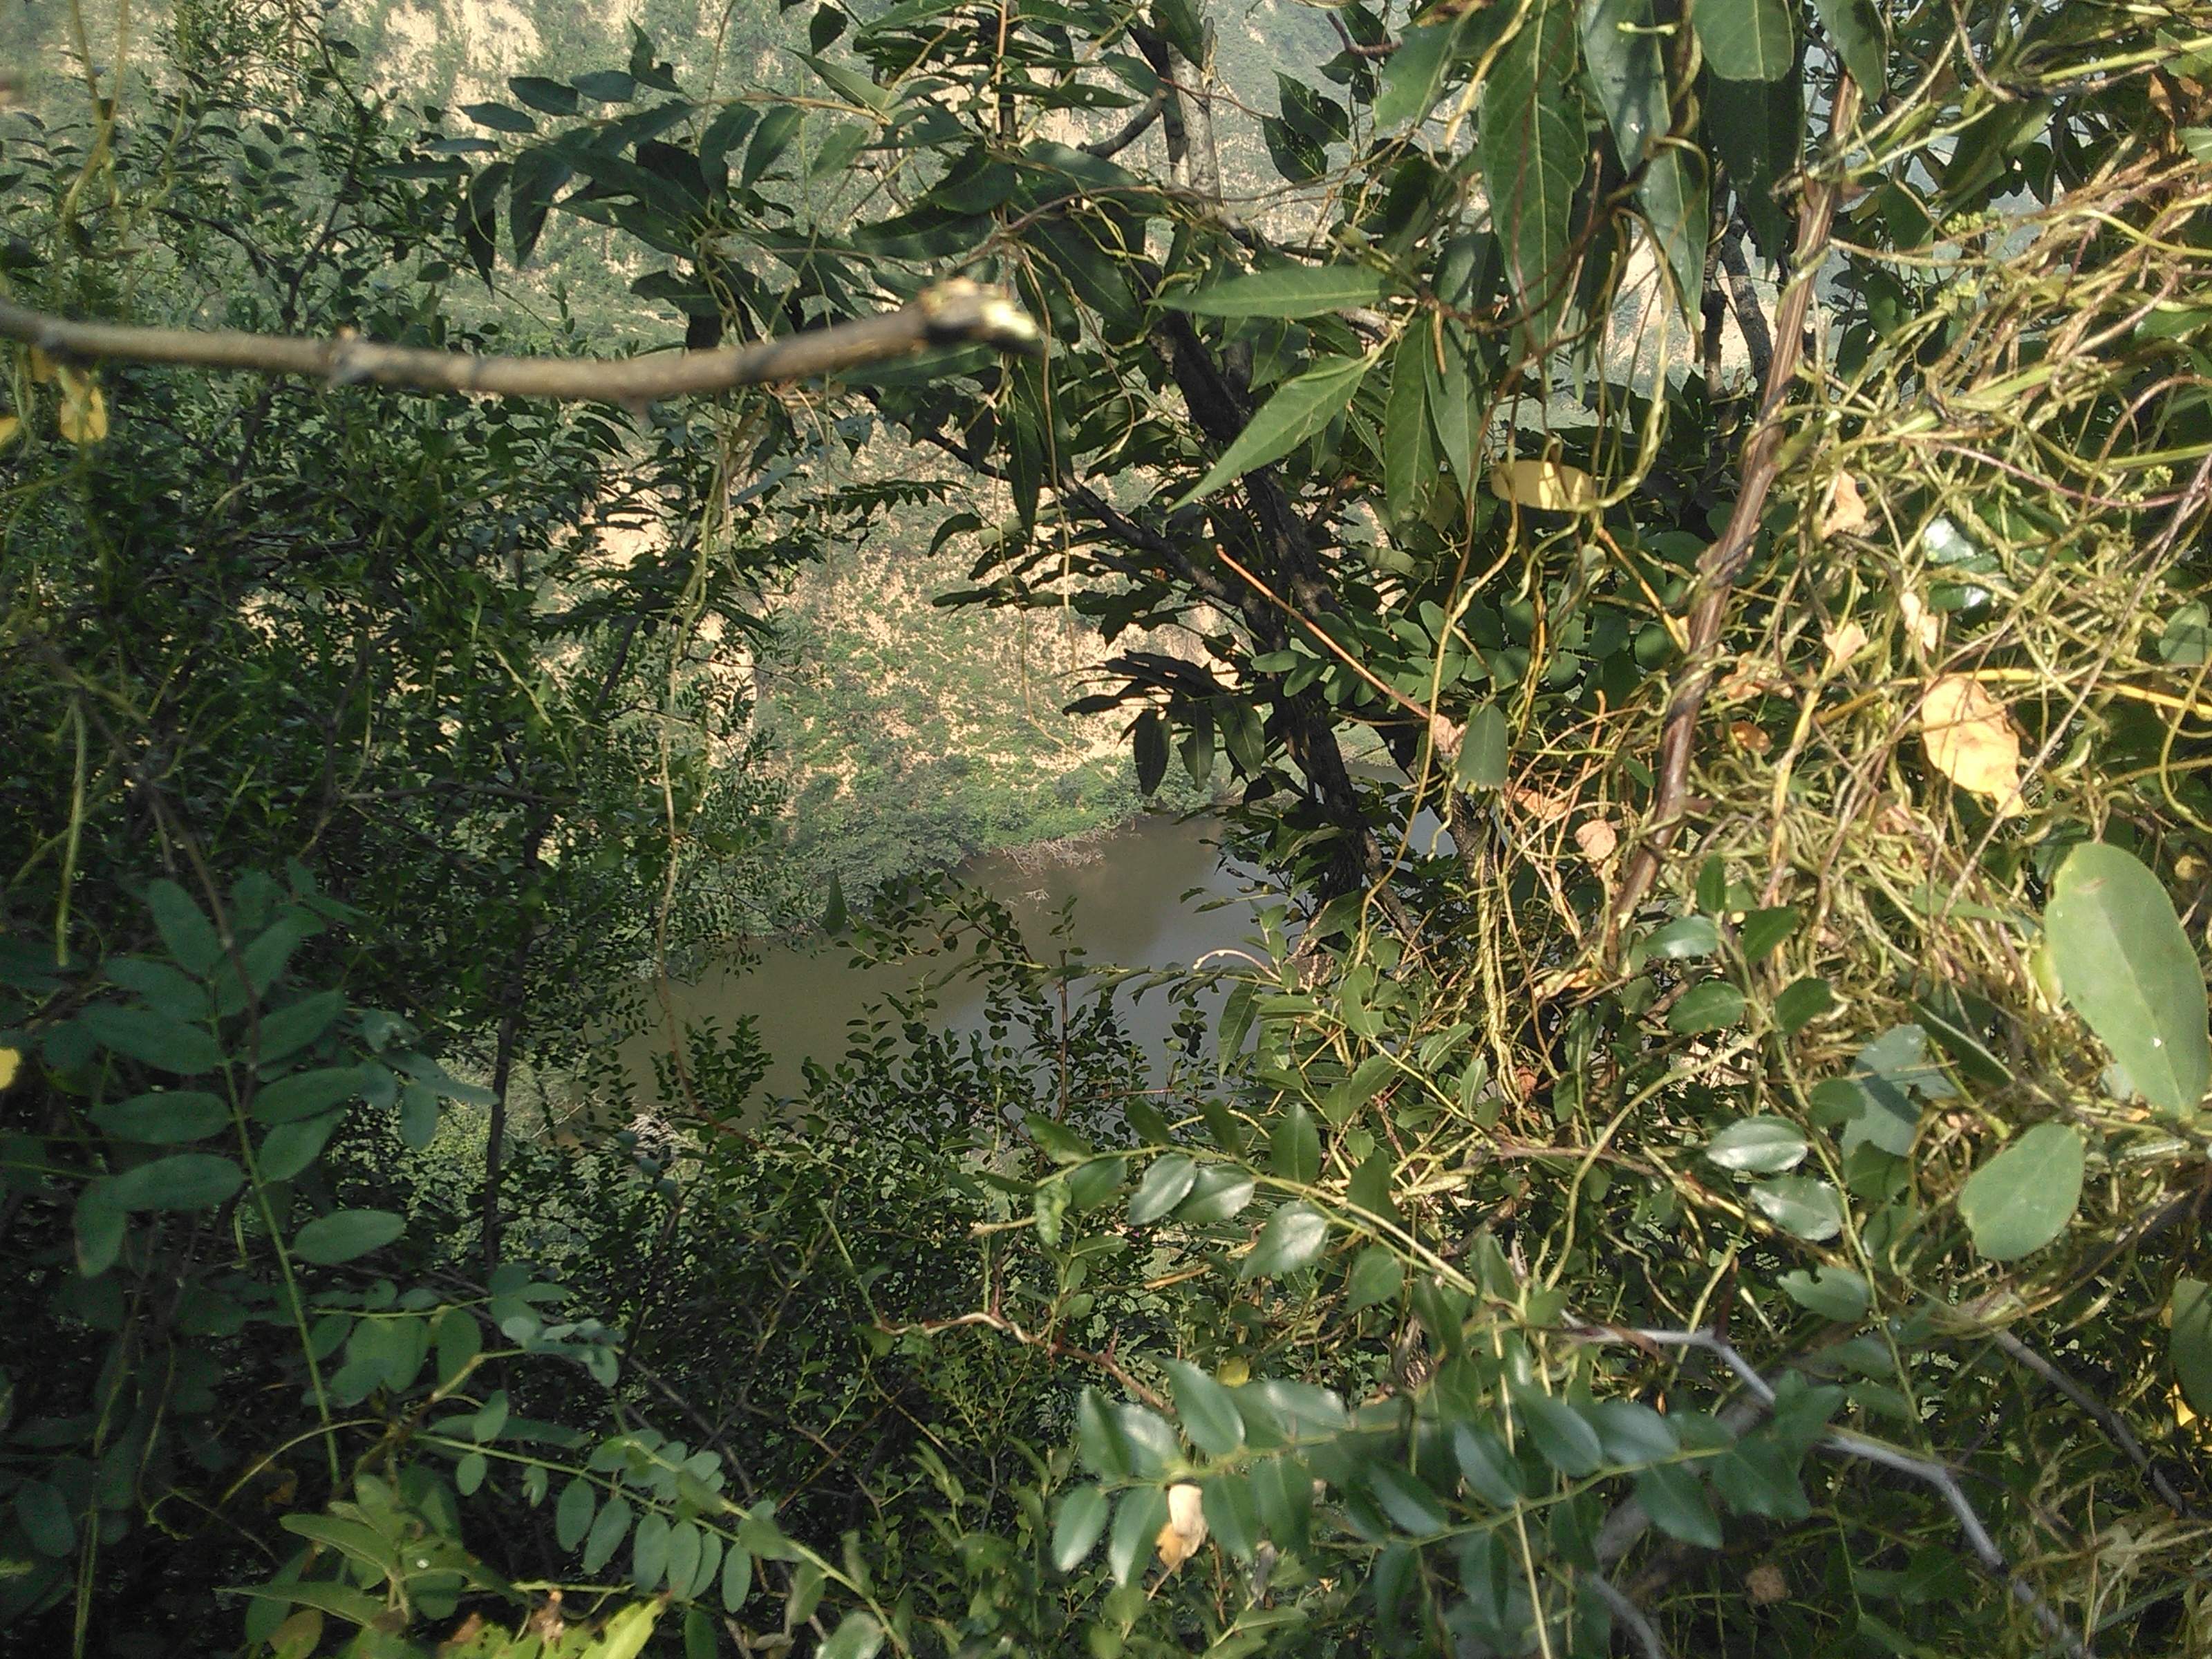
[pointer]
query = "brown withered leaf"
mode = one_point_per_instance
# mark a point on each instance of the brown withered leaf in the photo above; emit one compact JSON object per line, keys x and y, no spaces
{"x":1845,"y":513}
{"x":1970,"y":740}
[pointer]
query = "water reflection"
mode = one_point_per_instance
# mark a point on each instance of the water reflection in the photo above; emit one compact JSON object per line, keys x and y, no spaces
{"x":1134,"y":906}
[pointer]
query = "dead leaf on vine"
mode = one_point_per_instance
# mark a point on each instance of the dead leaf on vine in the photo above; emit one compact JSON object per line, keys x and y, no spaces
{"x":1970,"y":740}
{"x":1846,"y":513}
{"x":1597,"y":839}
{"x":1844,"y":643}
{"x":1186,"y":1528}
{"x":1750,"y":737}
{"x":1540,"y":804}
{"x":1922,"y":623}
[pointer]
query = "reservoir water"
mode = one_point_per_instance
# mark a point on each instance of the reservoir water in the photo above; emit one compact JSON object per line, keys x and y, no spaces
{"x":1146,"y":894}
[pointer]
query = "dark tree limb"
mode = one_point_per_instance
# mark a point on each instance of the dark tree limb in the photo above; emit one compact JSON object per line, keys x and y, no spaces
{"x":1138,"y":125}
{"x":953,"y":312}
{"x":2104,"y":1416}
{"x":1724,"y":562}
{"x":1750,"y":315}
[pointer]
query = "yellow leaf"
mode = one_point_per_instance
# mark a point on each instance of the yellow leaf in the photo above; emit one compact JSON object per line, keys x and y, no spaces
{"x":42,"y":366}
{"x":11,"y":1062}
{"x":1970,"y":741}
{"x":11,"y":428}
{"x":84,"y":411}
{"x":1547,"y":486}
{"x":297,"y":1636}
{"x":1186,"y":1528}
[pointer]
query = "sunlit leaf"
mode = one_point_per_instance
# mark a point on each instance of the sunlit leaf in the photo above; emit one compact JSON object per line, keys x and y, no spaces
{"x":1298,"y":410}
{"x":1292,"y":291}
{"x":2023,"y":1199}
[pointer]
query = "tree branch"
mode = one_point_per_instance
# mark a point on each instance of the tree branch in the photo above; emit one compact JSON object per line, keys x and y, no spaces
{"x":1724,"y":562}
{"x":1138,"y":125}
{"x":953,"y":312}
{"x":2104,"y":1416}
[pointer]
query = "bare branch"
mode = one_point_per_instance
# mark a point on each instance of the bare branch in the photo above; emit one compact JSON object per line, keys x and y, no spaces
{"x":1138,"y":125}
{"x":952,"y":313}
{"x":2106,"y":1418}
{"x":1625,"y":1609}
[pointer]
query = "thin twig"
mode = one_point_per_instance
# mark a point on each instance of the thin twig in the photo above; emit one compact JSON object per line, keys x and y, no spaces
{"x":2105,"y":1417}
{"x":1626,"y":1610}
{"x":952,"y":313}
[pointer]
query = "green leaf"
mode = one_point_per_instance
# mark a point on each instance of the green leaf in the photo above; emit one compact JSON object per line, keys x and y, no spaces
{"x":1562,"y":1435}
{"x":1298,"y":410}
{"x":1284,"y":1491}
{"x":649,"y":1551}
{"x":1059,"y":1144}
{"x":340,"y":1601}
{"x":1218,"y":1194}
{"x":857,"y":1635}
{"x":460,"y":1339}
{"x":184,"y":929}
{"x":1293,"y":291}
{"x":156,"y":1040}
{"x":1164,"y":1186}
{"x":1450,"y":390}
{"x":1485,"y":760}
{"x":1137,"y":1522}
{"x":1294,"y":1148}
{"x":604,"y":86}
{"x":770,"y":139}
{"x":44,"y":1515}
{"x":1758,"y":1476}
{"x":1532,"y":156}
{"x":2128,"y":969}
{"x":1801,"y":1207}
{"x":1100,"y":1438}
{"x":1757,"y":129}
{"x":1632,"y":1434}
{"x":1855,"y":27}
{"x":1293,"y":1239}
{"x":737,"y":1579}
{"x":1712,"y":1005}
{"x":345,"y":1234}
{"x":1413,"y":75}
{"x":2187,"y":639}
{"x":1677,"y":206}
{"x":1082,"y":1518}
{"x":98,"y":1227}
{"x":1802,"y":1002}
{"x":468,"y":1473}
{"x":1684,"y":940}
{"x":289,"y":1148}
{"x":293,"y":1027}
{"x":164,"y":1119}
{"x":499,"y":117}
{"x":1489,"y":1469}
{"x":1675,"y":1500}
{"x":606,"y":1534}
{"x":185,"y":1180}
{"x":1375,"y":1278}
{"x":1764,"y":930}
{"x":1408,"y":463}
{"x":1406,"y":1498}
{"x":307,"y":1094}
{"x":1760,"y":1145}
{"x":1627,"y":76}
{"x":2023,"y":1199}
{"x":1746,"y":39}
{"x":1233,"y":1514}
{"x":2190,"y":1343}
{"x":1149,"y":735}
{"x":1835,"y":1293}
{"x":1209,"y":1416}
{"x":547,"y":97}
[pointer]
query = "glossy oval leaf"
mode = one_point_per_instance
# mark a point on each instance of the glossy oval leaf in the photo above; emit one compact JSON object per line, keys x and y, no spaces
{"x":1713,"y":1005}
{"x":1165,"y":1185}
{"x":1294,"y":291}
{"x":2023,"y":1199}
{"x":1835,"y":1293}
{"x":1209,"y":1416}
{"x":156,"y":1040}
{"x":1675,"y":1500}
{"x":1406,"y":1500}
{"x":1293,"y":1239}
{"x":1760,"y":1145}
{"x":1801,"y":1207}
{"x":2127,"y":968}
{"x":1137,"y":1523}
{"x":1083,"y":1515}
{"x":1685,"y":939}
{"x":2190,"y":1343}
{"x":1219,"y":1195}
{"x":1299,"y":409}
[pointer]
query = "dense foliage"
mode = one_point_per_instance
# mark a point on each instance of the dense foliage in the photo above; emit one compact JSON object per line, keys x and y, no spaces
{"x":1744,"y":1198}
